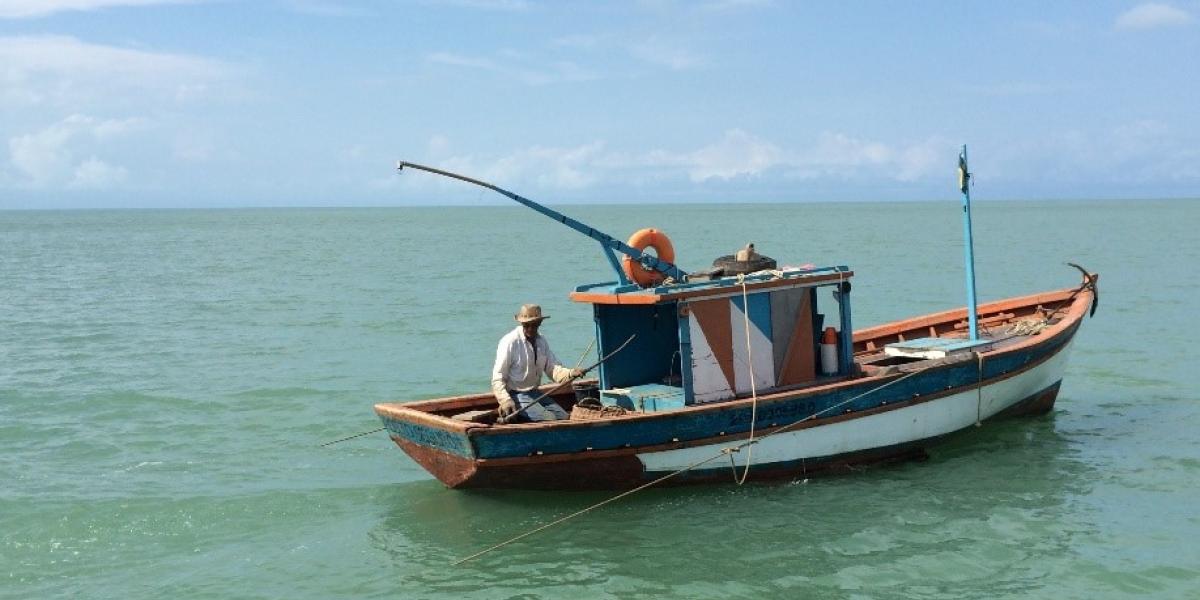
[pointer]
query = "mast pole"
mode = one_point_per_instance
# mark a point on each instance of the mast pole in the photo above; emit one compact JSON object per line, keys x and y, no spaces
{"x":964,"y":185}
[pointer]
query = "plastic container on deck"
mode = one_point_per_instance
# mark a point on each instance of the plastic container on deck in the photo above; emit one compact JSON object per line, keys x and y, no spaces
{"x":586,"y":389}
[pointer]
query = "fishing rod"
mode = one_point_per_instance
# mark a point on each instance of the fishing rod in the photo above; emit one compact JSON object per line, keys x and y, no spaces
{"x":503,"y":420}
{"x":509,"y":418}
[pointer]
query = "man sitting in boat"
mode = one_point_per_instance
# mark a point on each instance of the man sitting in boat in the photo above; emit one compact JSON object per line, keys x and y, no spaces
{"x":521,"y":358}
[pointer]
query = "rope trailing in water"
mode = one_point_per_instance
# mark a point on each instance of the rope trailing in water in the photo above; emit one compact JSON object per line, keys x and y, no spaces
{"x":357,"y":435}
{"x":585,"y":510}
{"x":728,"y":450}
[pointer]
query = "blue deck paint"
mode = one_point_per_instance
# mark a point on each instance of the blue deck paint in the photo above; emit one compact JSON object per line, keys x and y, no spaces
{"x":657,"y":330}
{"x":649,"y":397}
{"x":431,"y":437}
{"x":759,"y":312}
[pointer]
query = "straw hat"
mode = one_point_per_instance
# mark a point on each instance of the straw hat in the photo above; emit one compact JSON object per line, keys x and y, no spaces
{"x":530,"y":313}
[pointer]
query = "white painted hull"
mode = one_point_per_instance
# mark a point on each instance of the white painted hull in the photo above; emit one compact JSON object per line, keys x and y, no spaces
{"x":922,"y":421}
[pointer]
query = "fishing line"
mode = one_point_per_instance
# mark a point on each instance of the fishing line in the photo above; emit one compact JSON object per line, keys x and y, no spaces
{"x":585,"y":510}
{"x":358,"y":435}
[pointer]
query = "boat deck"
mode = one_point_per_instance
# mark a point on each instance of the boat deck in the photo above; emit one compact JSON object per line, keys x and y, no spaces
{"x":1003,"y":324}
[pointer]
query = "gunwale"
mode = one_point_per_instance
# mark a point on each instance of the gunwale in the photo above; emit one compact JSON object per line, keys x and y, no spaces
{"x":422,"y":411}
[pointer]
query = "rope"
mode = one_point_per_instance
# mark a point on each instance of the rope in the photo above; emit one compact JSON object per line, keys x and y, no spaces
{"x":753,"y":387}
{"x":1028,"y":327}
{"x":357,"y":435}
{"x":724,"y":451}
{"x":585,"y":510}
{"x":979,"y":389}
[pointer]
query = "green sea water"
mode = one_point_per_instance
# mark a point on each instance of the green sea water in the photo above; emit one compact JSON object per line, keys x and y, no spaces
{"x":166,"y":378}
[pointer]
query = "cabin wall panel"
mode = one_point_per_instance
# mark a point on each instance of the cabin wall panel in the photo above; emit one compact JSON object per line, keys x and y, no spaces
{"x":753,"y":356}
{"x":652,"y":355}
{"x":793,"y":337}
{"x":712,"y":354}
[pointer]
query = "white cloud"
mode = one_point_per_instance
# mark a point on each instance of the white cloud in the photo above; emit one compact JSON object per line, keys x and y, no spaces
{"x":1153,"y":15}
{"x":439,"y":145}
{"x":66,"y":71}
{"x":46,"y":158}
{"x":1017,"y":88}
{"x":835,"y":151}
{"x":94,"y":173}
{"x":327,"y":8}
{"x":581,"y":41}
{"x":730,"y":5}
{"x":665,"y":53}
{"x":510,"y":66}
{"x":736,"y":154}
{"x":1143,"y":153}
{"x":192,"y":146}
{"x":498,"y":5}
{"x":23,"y":9}
{"x":548,"y":167}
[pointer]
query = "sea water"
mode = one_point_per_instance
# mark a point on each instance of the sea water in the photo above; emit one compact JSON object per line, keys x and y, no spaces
{"x":166,"y":378}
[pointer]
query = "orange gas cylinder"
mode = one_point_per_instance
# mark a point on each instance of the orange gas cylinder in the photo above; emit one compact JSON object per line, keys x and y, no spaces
{"x":829,"y":352}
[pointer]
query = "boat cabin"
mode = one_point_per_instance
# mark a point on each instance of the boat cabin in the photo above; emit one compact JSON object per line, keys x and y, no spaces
{"x":709,"y":340}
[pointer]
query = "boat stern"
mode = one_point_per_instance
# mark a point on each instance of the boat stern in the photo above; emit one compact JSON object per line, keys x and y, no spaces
{"x":439,"y":444}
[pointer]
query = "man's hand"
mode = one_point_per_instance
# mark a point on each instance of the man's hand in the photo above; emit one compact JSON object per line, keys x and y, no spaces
{"x":508,"y":406}
{"x":576,"y":373}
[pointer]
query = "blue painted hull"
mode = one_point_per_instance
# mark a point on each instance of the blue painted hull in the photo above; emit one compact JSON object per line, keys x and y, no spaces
{"x":630,"y":450}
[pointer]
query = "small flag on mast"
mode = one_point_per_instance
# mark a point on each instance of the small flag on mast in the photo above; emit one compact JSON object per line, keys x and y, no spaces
{"x":964,"y":176}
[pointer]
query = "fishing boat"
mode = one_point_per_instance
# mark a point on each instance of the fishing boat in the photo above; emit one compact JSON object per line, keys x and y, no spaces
{"x":749,"y":371}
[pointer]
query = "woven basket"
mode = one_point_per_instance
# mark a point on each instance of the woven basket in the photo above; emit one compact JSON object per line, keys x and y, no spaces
{"x":591,"y":410}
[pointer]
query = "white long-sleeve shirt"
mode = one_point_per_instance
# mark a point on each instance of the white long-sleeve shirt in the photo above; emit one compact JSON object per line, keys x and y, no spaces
{"x":517,"y":368}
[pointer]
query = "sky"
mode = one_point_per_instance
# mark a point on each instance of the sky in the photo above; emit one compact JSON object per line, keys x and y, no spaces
{"x":177,"y":103}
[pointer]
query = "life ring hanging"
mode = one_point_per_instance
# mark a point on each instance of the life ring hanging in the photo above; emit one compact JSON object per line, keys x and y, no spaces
{"x":642,"y":239}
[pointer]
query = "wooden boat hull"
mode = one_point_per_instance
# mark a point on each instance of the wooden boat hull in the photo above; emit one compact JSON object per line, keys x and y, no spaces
{"x":882,"y":415}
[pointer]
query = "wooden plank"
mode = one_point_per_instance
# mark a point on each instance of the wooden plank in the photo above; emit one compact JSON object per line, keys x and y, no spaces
{"x":719,"y":289}
{"x":954,"y":315}
{"x":799,"y":361}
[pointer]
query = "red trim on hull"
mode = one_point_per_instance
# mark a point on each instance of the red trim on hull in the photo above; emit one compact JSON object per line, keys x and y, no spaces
{"x":583,"y":473}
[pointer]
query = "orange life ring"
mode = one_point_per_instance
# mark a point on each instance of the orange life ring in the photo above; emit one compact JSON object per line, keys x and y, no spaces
{"x":642,"y":239}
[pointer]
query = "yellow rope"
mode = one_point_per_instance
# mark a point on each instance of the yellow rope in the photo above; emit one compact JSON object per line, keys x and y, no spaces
{"x":588,"y":509}
{"x":979,"y":389}
{"x":728,"y":450}
{"x":753,"y":387}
